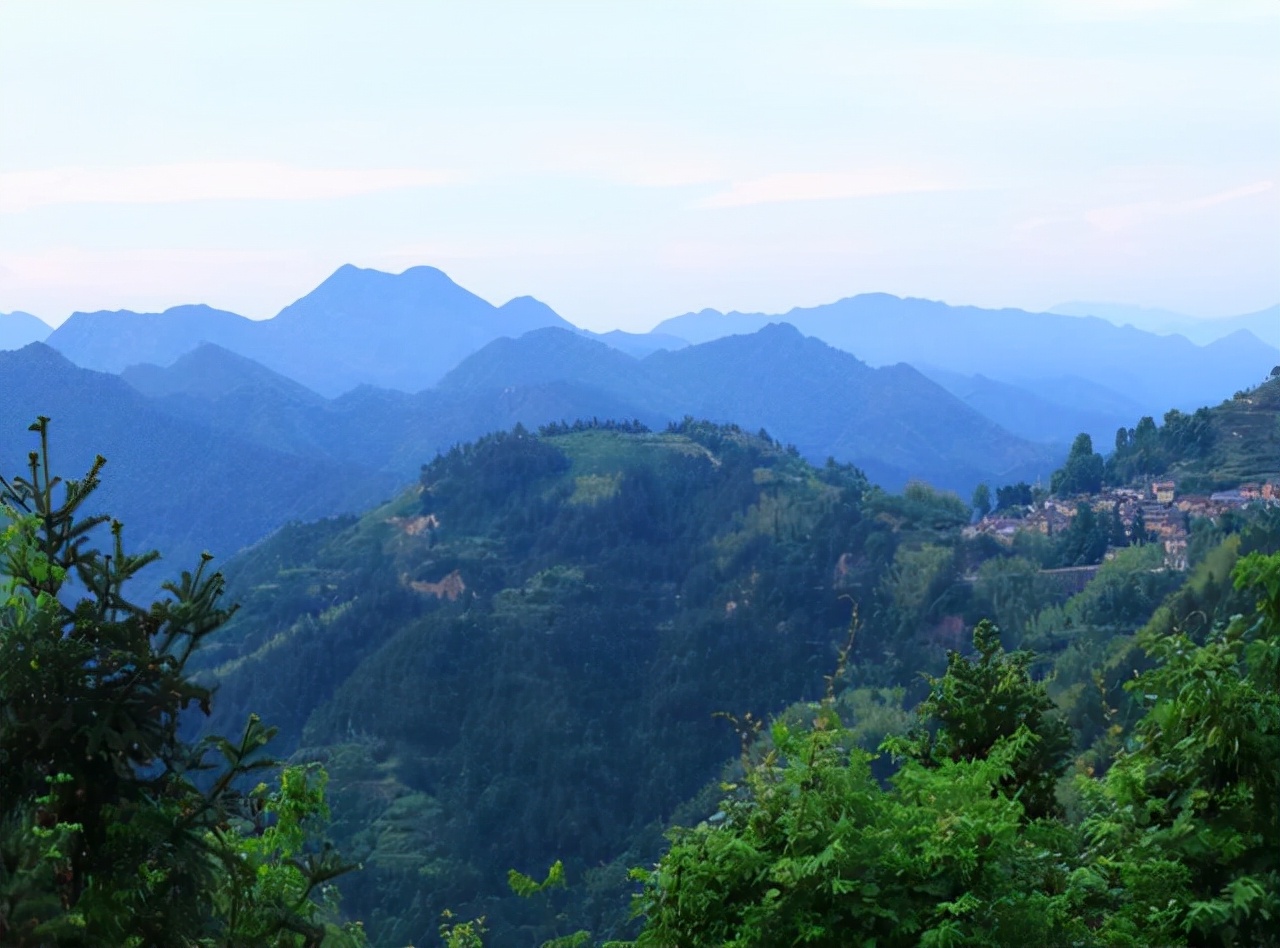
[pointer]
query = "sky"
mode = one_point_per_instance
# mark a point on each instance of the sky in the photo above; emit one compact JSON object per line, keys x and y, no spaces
{"x":626,"y":162}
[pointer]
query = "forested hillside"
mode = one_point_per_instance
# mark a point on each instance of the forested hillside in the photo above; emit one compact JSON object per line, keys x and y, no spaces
{"x":1214,"y":448}
{"x":520,"y":659}
{"x":558,"y":644}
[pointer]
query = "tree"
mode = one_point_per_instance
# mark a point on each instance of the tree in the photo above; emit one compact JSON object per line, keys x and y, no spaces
{"x":1118,"y":536}
{"x":1085,"y":541}
{"x":1185,"y":827}
{"x":1082,"y":472}
{"x":114,"y":830}
{"x":1123,"y":435}
{"x":1138,"y":532}
{"x":1014,"y":495}
{"x":982,"y":701}
{"x":982,"y":500}
{"x":810,"y":849}
{"x":1012,"y":591}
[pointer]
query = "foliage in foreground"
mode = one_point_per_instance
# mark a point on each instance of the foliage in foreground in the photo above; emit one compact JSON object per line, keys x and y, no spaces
{"x":1179,"y":842}
{"x":113,"y":829}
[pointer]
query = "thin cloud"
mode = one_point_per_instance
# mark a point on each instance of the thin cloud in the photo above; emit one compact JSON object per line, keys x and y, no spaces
{"x":1124,"y":216}
{"x":824,"y":186}
{"x":205,"y":181}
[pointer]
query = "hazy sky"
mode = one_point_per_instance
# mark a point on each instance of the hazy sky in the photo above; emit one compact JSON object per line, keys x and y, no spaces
{"x":625,"y":162}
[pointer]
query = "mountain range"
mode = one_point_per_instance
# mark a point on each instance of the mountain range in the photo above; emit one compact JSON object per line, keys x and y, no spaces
{"x":358,"y":327}
{"x":407,"y":331}
{"x":179,"y":487}
{"x":216,"y":450}
{"x":1052,"y":410}
{"x":348,"y":391}
{"x":893,"y":422}
{"x":563,"y":634}
{"x":1154,"y":372}
{"x":1265,"y":324}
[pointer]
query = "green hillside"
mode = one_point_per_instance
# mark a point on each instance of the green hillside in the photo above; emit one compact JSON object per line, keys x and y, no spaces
{"x":564,"y":645}
{"x":521,"y":658}
{"x":1246,"y":446}
{"x":1216,"y":448}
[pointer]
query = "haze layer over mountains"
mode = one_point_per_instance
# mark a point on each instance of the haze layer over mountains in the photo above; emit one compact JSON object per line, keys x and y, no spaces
{"x":406,"y":331}
{"x":346,"y":392}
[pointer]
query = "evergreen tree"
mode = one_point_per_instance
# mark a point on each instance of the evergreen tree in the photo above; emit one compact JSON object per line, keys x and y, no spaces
{"x":1084,"y":542}
{"x":113,"y":829}
{"x":1138,"y":529}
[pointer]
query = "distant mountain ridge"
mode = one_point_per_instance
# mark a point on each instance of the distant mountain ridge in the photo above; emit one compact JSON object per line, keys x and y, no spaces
{"x":1155,"y":372}
{"x":407,"y":331}
{"x":385,"y":430}
{"x":1053,"y":411}
{"x":1265,"y":323}
{"x":18,"y":329}
{"x":396,"y":331}
{"x":358,"y":327}
{"x":893,"y":422}
{"x":111,"y":341}
{"x":177,"y":484}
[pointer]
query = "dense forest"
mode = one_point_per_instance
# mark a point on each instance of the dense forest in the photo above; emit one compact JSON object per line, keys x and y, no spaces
{"x":521,"y":659}
{"x":561,"y":646}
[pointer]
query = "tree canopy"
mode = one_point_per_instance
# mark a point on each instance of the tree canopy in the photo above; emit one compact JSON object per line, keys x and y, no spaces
{"x":114,"y":830}
{"x":1178,"y":843}
{"x":1082,"y":472}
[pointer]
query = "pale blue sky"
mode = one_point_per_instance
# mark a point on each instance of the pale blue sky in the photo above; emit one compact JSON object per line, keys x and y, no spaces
{"x":625,"y":162}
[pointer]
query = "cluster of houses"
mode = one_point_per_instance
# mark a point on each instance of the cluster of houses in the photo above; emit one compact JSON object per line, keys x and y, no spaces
{"x":1165,"y":514}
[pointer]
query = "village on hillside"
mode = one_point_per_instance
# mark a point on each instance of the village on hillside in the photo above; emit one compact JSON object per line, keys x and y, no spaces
{"x":1159,"y":509}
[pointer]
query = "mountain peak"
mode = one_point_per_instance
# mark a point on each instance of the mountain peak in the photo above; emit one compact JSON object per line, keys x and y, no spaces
{"x":1244,"y":339}
{"x":210,"y":371}
{"x":18,"y":328}
{"x":350,"y":282}
{"x":198,"y":311}
{"x":548,"y":354}
{"x":39,"y":354}
{"x":356,"y":292}
{"x":778,"y":332}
